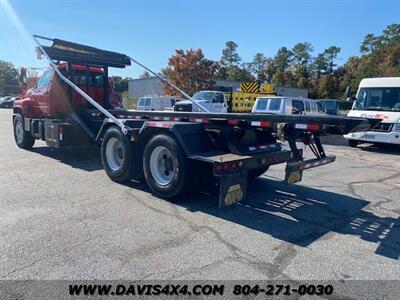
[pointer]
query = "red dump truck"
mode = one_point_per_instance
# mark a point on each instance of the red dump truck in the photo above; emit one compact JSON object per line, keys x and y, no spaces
{"x":173,"y":152}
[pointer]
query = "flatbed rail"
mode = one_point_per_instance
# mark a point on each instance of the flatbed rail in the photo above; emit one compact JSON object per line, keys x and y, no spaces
{"x":301,"y":122}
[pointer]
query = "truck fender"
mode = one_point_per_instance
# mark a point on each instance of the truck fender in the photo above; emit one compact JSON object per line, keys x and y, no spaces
{"x":25,"y":107}
{"x":191,"y":137}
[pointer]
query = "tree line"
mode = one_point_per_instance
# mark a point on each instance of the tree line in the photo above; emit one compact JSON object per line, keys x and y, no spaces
{"x":292,"y":67}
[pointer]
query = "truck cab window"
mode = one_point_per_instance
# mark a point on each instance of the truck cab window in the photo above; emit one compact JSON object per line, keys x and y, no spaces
{"x":98,"y":80}
{"x":308,"y":109}
{"x":218,"y":98}
{"x":298,"y":107}
{"x":319,"y":107}
{"x":313,"y":107}
{"x":44,"y":81}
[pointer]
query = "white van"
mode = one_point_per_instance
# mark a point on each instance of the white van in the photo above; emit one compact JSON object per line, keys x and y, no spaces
{"x":287,"y":106}
{"x":158,"y":103}
{"x":377,"y":98}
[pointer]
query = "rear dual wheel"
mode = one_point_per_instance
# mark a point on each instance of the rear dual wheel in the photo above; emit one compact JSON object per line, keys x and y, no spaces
{"x":120,"y":158}
{"x":167,"y":171}
{"x":163,"y":163}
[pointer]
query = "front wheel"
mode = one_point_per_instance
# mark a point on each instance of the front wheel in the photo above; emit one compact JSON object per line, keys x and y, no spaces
{"x":353,"y":143}
{"x":22,"y":138}
{"x":166,"y":167}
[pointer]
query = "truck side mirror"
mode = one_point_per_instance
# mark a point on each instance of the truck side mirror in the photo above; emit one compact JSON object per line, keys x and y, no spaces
{"x":351,"y":99}
{"x":348,"y":92}
{"x":22,"y":76}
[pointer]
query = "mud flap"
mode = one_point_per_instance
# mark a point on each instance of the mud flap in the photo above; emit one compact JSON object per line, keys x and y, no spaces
{"x":232,"y":188}
{"x":293,"y":173}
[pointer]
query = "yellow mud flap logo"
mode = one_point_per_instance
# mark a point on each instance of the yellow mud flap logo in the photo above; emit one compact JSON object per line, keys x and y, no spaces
{"x":294,"y":177}
{"x":234,"y":194}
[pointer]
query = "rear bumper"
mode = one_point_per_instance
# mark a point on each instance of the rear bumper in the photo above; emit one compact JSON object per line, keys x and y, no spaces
{"x":392,"y":137}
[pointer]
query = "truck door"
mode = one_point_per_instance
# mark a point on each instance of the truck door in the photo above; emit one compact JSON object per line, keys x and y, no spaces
{"x":218,"y":103}
{"x":41,"y":94}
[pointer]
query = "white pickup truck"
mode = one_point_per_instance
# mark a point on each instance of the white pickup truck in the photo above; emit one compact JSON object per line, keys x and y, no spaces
{"x":377,"y":98}
{"x":213,"y":101}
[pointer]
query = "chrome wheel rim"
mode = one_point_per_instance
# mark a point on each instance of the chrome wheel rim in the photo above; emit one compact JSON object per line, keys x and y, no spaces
{"x":19,"y":130}
{"x":114,"y":154}
{"x":162,"y":166}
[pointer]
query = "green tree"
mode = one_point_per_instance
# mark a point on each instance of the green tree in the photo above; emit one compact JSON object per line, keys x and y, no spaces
{"x":302,"y":53}
{"x":120,"y":84}
{"x":320,"y":65}
{"x":282,"y":59}
{"x":369,"y":43}
{"x":327,"y":86}
{"x":230,"y":60}
{"x":302,"y":56}
{"x":145,"y":74}
{"x":238,"y":73}
{"x":258,"y":67}
{"x":283,"y":78}
{"x":270,"y":69}
{"x":8,"y":81}
{"x":391,"y":34}
{"x":331,"y":54}
{"x":230,"y":57}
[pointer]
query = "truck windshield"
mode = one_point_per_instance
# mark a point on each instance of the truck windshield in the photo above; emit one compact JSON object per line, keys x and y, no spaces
{"x":144,"y":102}
{"x":382,"y":99}
{"x":331,"y":105}
{"x":273,"y":104}
{"x":204,"y":96}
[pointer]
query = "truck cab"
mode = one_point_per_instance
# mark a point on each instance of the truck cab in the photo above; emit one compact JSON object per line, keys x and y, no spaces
{"x":377,"y":98}
{"x":49,"y":97}
{"x":213,"y":101}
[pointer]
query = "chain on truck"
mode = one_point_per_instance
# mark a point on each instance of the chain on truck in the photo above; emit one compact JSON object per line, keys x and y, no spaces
{"x":173,"y":152}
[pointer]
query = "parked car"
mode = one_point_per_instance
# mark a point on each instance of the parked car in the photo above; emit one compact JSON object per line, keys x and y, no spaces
{"x":7,"y":102}
{"x":336,"y":106}
{"x":287,"y":105}
{"x":158,"y":103}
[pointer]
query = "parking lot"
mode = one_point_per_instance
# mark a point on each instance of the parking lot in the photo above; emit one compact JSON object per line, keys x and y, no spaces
{"x":62,"y":218}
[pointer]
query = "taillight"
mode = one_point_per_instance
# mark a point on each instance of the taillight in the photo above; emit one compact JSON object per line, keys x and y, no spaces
{"x":227,"y":167}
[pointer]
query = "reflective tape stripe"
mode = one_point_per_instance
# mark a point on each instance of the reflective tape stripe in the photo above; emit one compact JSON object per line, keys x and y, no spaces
{"x":61,"y":132}
{"x":261,"y":124}
{"x":159,"y":124}
{"x":300,"y":126}
{"x":314,"y":164}
{"x":312,"y":127}
{"x":261,"y":147}
{"x":197,"y":120}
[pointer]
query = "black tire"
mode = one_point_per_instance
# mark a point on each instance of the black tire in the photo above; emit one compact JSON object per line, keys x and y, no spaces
{"x":253,"y":174}
{"x":24,"y":140}
{"x":119,"y":156}
{"x":181,"y":181}
{"x":353,"y":143}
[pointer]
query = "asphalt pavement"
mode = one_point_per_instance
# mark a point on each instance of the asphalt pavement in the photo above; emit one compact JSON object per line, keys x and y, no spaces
{"x":61,"y":217}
